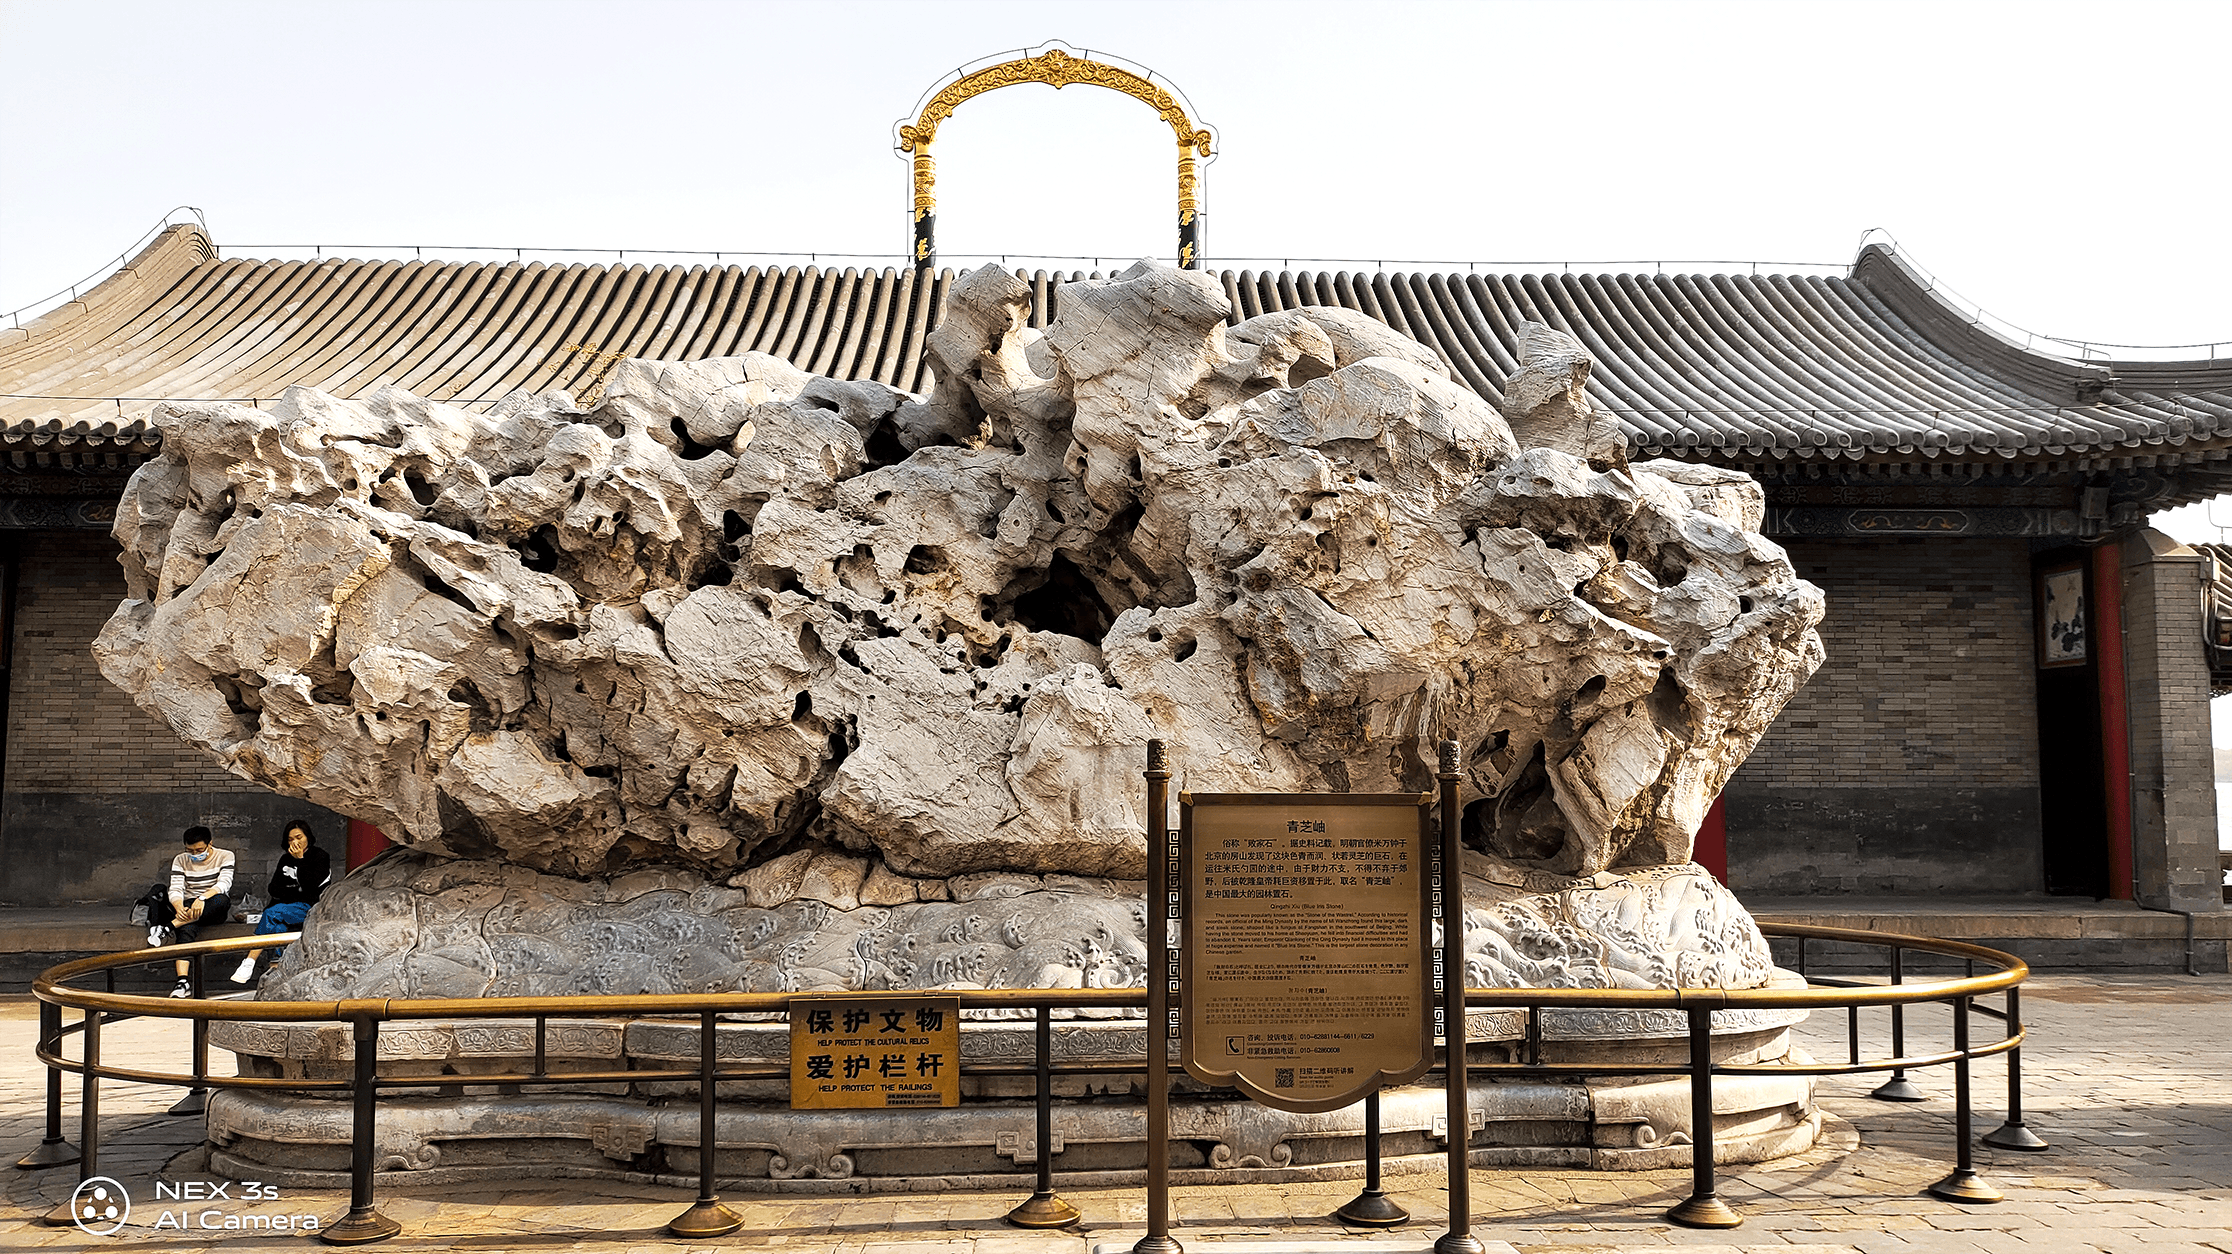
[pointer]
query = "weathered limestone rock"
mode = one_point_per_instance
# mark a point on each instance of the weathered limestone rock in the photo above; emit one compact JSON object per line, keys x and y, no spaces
{"x":851,"y":642}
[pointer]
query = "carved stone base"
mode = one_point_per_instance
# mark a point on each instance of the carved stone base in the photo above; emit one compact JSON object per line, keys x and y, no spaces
{"x":467,"y":1131}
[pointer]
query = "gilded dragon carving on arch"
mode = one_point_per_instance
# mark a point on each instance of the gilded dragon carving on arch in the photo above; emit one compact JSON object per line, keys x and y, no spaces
{"x":1057,"y":68}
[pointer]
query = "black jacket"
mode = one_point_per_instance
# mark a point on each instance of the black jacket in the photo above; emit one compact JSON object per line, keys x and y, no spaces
{"x":300,"y":879}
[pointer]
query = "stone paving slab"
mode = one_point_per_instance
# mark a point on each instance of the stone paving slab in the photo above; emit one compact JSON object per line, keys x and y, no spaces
{"x":2129,"y":1076}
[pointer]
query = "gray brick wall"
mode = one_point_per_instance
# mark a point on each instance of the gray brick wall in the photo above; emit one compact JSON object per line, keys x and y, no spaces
{"x":70,"y":730}
{"x":1909,"y":762}
{"x":1930,"y":669}
{"x":96,"y":792}
{"x":2174,"y":824}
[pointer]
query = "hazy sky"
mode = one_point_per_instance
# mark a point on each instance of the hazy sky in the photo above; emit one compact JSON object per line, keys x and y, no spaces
{"x":2063,"y":165}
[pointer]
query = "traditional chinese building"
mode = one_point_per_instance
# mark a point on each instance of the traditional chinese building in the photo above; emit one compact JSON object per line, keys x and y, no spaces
{"x":2015,"y":700}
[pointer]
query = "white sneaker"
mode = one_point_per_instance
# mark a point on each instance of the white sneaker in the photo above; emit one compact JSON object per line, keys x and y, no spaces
{"x":155,"y":936}
{"x":184,"y":988}
{"x":245,"y":972}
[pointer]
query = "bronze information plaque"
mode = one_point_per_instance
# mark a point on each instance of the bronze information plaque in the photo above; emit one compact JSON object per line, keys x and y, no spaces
{"x":1307,"y":957}
{"x":875,"y":1050}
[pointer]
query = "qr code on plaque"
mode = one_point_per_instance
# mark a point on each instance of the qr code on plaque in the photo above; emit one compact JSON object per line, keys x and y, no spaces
{"x":1282,"y":1077}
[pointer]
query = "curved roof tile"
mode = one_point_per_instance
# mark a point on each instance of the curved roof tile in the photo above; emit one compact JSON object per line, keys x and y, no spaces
{"x":1759,"y":369}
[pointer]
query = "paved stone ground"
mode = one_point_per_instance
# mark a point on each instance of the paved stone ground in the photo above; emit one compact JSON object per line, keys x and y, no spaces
{"x":2130,"y":1077}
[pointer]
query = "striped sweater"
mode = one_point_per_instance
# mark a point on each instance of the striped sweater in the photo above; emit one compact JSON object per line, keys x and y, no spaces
{"x":191,"y":880}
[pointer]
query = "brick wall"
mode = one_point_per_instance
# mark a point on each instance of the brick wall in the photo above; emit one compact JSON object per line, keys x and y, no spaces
{"x":1909,"y":762}
{"x":70,"y":730}
{"x":2174,"y":822}
{"x":96,"y":792}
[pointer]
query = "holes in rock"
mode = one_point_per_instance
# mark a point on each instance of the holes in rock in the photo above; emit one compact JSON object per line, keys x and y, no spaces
{"x":1523,"y":823}
{"x":1743,"y":605}
{"x":810,"y":647}
{"x":1064,"y":602}
{"x":1371,"y":541}
{"x":1493,"y":745}
{"x":884,"y":449}
{"x":1185,"y":649}
{"x":435,"y":585}
{"x":1330,"y":545}
{"x":1619,"y":548}
{"x":691,"y":449}
{"x":1154,"y":633}
{"x":560,"y":631}
{"x":1672,"y":570}
{"x":710,"y":572}
{"x":421,"y":491}
{"x":1669,"y":705}
{"x":1560,"y":543}
{"x":803,"y":708}
{"x":482,"y":717}
{"x":1589,"y":691}
{"x":1137,"y":472}
{"x":242,"y":695}
{"x":925,"y":559}
{"x":539,"y":552}
{"x":856,"y":572}
{"x":824,"y":404}
{"x":989,"y":526}
{"x":1306,"y":512}
{"x":734,"y":526}
{"x":1054,"y":512}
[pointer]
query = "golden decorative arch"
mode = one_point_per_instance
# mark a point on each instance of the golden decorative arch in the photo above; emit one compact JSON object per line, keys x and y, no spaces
{"x":1057,"y":68}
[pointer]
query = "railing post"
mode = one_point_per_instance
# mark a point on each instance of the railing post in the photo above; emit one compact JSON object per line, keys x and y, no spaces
{"x":1455,"y":1034}
{"x":89,"y":1119}
{"x":1371,"y":1208}
{"x":1703,"y":1208}
{"x":1159,"y":893}
{"x":707,"y":1217}
{"x":362,"y":1225}
{"x":1964,"y":1185}
{"x":196,"y":1100}
{"x":1043,"y":1209}
{"x":2013,"y":1135}
{"x":52,"y":1150}
{"x":1897,"y":1088}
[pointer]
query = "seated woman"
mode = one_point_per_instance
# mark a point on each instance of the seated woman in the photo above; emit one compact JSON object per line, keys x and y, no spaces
{"x":295,"y":885}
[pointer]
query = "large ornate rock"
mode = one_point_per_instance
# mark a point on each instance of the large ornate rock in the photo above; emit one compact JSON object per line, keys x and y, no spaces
{"x":736,"y":612}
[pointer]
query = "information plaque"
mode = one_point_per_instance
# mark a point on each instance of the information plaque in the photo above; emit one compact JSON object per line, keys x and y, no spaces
{"x":1307,"y":959}
{"x":875,"y":1050}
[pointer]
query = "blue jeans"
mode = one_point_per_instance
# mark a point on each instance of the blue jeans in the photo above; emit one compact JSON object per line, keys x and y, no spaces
{"x":285,"y":916}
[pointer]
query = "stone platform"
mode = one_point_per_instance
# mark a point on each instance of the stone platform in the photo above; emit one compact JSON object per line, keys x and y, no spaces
{"x":463,"y":1131}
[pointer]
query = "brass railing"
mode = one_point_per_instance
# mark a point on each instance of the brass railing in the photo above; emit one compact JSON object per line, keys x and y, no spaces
{"x":707,"y":1217}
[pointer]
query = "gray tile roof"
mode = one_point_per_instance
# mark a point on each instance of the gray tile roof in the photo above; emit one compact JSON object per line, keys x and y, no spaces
{"x":1745,"y":369}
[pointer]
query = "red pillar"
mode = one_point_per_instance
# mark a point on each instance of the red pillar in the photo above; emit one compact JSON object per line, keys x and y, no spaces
{"x":1710,"y":850}
{"x":2115,"y":725}
{"x":365,"y":843}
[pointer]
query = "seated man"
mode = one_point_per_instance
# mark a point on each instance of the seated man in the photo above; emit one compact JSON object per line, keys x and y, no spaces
{"x":200,"y":892}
